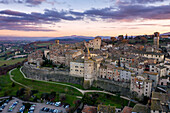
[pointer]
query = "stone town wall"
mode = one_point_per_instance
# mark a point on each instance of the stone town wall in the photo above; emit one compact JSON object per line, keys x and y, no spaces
{"x":50,"y":74}
{"x":112,"y":86}
{"x":64,"y":76}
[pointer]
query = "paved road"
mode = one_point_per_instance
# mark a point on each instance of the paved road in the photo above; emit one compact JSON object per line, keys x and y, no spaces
{"x":38,"y":107}
{"x":11,"y":77}
{"x":80,"y":90}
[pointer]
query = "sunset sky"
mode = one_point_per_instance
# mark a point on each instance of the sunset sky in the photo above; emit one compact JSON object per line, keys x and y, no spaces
{"x":54,"y":18}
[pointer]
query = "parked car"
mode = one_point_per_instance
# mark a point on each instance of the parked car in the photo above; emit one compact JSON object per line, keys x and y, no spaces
{"x":67,"y":106}
{"x":43,"y":109}
{"x":51,"y":110}
{"x":47,"y":103}
{"x":1,"y":109}
{"x":46,"y":109}
{"x":55,"y":111}
{"x":12,"y":106}
{"x":57,"y":104}
{"x":5,"y":104}
{"x":30,"y":111}
{"x":22,"y":109}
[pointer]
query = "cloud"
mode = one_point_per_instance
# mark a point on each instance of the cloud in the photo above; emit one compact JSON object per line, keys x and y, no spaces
{"x":35,"y":2}
{"x":126,"y":2}
{"x":109,"y":14}
{"x":30,"y":2}
{"x":19,"y":27}
{"x":18,"y":20}
{"x":128,"y":12}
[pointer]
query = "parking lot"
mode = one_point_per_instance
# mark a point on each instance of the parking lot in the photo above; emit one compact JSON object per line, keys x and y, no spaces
{"x":38,"y":106}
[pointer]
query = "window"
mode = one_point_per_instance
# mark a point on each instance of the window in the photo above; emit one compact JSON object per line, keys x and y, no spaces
{"x":146,"y":89}
{"x":76,"y":70}
{"x":76,"y":66}
{"x":162,"y":83}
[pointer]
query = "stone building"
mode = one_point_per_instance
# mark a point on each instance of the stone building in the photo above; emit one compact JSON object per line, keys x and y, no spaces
{"x":158,"y":56}
{"x":110,"y":72}
{"x":161,"y":70}
{"x":86,"y":66}
{"x":77,"y":67}
{"x":156,"y":39}
{"x":71,"y":55}
{"x":141,"y":85}
{"x":89,"y":109}
{"x":95,"y":43}
{"x":36,"y":57}
{"x":154,"y":77}
{"x":106,"y":109}
{"x":125,"y":75}
{"x":159,"y":103}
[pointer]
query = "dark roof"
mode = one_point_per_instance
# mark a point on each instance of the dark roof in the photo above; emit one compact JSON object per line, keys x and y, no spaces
{"x":106,"y":109}
{"x":140,"y":108}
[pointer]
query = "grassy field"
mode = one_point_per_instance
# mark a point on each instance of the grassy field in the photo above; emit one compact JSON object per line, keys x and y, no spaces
{"x":44,"y":87}
{"x":6,"y":86}
{"x":10,"y":62}
{"x":105,"y":99}
{"x":43,"y":44}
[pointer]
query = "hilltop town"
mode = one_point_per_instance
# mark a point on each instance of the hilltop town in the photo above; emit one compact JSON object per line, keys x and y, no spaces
{"x":142,"y":69}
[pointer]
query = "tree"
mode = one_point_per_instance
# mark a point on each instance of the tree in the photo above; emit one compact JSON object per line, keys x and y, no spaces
{"x":86,"y":84}
{"x":13,"y":84}
{"x":143,"y":39}
{"x":124,"y":41}
{"x":113,"y":39}
{"x":62,"y":97}
{"x":27,"y":94}
{"x":120,"y":37}
{"x":126,"y":37}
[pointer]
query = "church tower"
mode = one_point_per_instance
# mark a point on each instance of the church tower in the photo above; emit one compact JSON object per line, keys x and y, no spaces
{"x":88,"y":68}
{"x":156,"y":40}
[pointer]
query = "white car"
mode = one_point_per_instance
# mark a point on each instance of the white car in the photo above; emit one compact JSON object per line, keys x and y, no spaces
{"x":57,"y":104}
{"x":67,"y":106}
{"x":55,"y":111}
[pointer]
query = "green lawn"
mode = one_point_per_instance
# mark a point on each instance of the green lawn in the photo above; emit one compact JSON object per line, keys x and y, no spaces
{"x":106,"y":99}
{"x":43,"y":44}
{"x":6,"y":86}
{"x":44,"y":87}
{"x":11,"y":62}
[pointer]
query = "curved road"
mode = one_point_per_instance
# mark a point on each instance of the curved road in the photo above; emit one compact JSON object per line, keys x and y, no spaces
{"x":82,"y":91}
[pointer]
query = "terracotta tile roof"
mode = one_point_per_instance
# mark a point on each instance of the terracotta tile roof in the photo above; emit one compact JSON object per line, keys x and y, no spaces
{"x":127,"y":109}
{"x":89,"y":109}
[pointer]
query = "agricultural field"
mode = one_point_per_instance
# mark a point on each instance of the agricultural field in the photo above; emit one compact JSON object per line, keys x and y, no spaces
{"x":10,"y":62}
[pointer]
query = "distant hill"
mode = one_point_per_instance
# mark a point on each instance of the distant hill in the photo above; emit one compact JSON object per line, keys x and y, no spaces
{"x":70,"y":39}
{"x":166,"y":34}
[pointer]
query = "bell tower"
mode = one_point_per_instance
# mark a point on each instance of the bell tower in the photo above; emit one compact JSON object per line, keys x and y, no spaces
{"x":156,"y":40}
